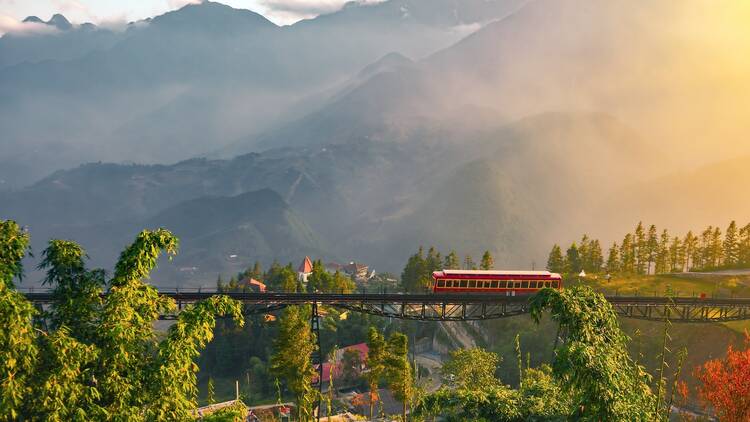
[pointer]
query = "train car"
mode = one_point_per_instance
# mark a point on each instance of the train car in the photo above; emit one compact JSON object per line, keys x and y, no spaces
{"x":510,"y":283}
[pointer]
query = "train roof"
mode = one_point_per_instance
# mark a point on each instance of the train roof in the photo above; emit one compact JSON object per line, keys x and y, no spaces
{"x":494,"y":272}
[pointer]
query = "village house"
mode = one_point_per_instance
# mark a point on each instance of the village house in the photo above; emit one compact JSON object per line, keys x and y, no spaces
{"x":357,"y":271}
{"x":338,"y":371}
{"x":251,"y":284}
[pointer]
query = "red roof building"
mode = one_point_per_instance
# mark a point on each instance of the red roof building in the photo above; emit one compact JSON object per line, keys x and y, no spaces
{"x":305,"y":266}
{"x":304,"y":269}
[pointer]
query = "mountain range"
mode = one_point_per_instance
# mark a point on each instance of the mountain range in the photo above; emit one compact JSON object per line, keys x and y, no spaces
{"x":193,"y":80}
{"x":548,"y":120}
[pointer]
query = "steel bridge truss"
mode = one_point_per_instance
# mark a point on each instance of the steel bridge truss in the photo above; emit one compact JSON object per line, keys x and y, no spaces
{"x":463,"y":307}
{"x":682,"y":309}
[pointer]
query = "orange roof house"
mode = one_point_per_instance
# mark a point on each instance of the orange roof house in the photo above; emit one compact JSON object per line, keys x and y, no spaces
{"x":254,"y":284}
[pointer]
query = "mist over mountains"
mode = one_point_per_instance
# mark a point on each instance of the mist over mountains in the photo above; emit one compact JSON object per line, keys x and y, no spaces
{"x":472,"y":125}
{"x":190,"y":81}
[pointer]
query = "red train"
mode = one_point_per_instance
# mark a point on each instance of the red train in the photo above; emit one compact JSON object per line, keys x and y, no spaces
{"x":509,"y":282}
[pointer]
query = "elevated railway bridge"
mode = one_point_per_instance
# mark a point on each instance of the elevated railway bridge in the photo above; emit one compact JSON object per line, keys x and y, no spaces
{"x":449,"y":307}
{"x":460,"y":306}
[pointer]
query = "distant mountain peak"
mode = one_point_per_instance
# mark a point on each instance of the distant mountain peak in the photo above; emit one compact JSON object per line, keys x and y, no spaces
{"x":33,"y":19}
{"x":60,"y":22}
{"x":210,"y":15}
{"x":388,"y":62}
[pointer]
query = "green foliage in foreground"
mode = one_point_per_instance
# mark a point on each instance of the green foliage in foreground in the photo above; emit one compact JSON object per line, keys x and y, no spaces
{"x":538,"y":399}
{"x":101,"y":359}
{"x":292,"y":359}
{"x":593,"y":365}
{"x":470,"y":368}
{"x":235,"y":413}
{"x":592,"y":377}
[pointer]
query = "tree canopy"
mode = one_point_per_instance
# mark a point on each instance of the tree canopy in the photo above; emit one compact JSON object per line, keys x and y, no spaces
{"x":593,"y":364}
{"x":100,"y":360}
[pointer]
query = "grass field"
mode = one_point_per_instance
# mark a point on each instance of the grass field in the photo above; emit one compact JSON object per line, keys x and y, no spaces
{"x":680,"y":285}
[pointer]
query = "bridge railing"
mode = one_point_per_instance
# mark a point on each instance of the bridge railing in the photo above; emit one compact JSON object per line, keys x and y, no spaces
{"x":616,"y":292}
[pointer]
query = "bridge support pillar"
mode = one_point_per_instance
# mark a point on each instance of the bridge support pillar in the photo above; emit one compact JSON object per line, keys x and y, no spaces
{"x":317,"y":356}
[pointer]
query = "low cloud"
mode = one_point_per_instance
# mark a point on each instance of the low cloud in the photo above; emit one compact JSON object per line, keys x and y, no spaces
{"x":309,"y":8}
{"x":466,"y":29}
{"x":176,"y":4}
{"x":10,"y":25}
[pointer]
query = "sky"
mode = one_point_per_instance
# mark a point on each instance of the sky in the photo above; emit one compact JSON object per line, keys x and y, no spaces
{"x":114,"y":12}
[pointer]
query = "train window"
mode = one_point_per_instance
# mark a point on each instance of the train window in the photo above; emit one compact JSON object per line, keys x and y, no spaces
{"x":463,"y":283}
{"x":524,"y":284}
{"x":472,"y":283}
{"x":534,"y":284}
{"x":452,"y":283}
{"x":517,"y":284}
{"x":493,"y":284}
{"x":547,"y":284}
{"x":441,"y":283}
{"x":555,"y":284}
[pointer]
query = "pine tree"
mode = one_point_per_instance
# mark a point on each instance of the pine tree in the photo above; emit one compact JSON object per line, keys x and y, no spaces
{"x":255,"y":272}
{"x":641,"y":250}
{"x":652,"y":247}
{"x":731,"y":246}
{"x":469,"y":263}
{"x":628,"y":255}
{"x":451,"y":261}
{"x":595,"y":260}
{"x":703,"y":252}
{"x":662,"y":254}
{"x":584,"y":252}
{"x":555,"y":262}
{"x":433,"y":262}
{"x":488,"y":262}
{"x":676,"y":255}
{"x":398,"y":370}
{"x":292,"y":358}
{"x":716,"y":248}
{"x":613,"y":260}
{"x":414,"y":271}
{"x":744,"y":248}
{"x":376,"y":356}
{"x":573,"y":260}
{"x":320,"y":280}
{"x":690,"y":247}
